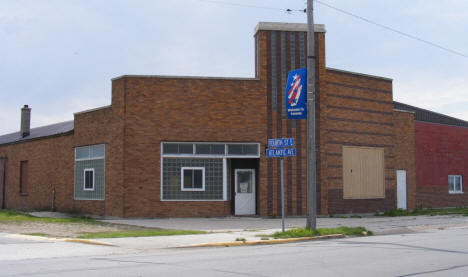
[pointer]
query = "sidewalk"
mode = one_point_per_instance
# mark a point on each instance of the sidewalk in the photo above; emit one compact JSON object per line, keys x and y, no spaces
{"x":228,"y":229}
{"x":379,"y":225}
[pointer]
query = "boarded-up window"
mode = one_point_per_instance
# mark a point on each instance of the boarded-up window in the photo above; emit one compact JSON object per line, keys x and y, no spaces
{"x":23,"y":177}
{"x":363,"y":172}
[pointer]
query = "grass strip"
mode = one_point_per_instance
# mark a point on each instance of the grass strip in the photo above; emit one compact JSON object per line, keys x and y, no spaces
{"x":139,"y":233}
{"x":421,"y":211}
{"x":38,"y":235}
{"x":305,"y":232}
{"x":13,"y":216}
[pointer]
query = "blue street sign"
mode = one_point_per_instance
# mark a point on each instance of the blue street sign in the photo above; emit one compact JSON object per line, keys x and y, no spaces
{"x":295,"y":94}
{"x":280,"y":152}
{"x":281,"y":142}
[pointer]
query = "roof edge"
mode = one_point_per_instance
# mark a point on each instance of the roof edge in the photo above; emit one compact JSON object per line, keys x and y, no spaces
{"x":429,"y":111}
{"x":94,"y":109}
{"x":360,"y":74}
{"x":440,"y":124}
{"x":283,"y":26}
{"x":38,"y":138}
{"x":187,"y":77}
{"x":403,"y":111}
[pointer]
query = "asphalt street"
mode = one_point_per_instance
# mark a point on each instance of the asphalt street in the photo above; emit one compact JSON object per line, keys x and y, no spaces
{"x":431,"y":252}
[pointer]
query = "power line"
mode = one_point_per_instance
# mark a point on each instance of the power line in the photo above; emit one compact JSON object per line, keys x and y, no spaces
{"x":253,"y":6}
{"x":392,"y":29}
{"x":347,"y":13}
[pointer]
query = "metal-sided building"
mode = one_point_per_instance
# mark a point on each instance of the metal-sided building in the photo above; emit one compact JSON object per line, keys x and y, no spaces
{"x":195,"y":146}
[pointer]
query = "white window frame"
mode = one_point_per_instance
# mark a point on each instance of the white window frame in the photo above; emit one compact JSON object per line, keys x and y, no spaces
{"x":84,"y":179}
{"x":182,"y":178}
{"x":223,"y":157}
{"x":226,"y":155}
{"x":454,"y":185}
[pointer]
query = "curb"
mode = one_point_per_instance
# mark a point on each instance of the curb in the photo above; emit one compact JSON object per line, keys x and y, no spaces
{"x":87,"y":241}
{"x":260,"y":242}
{"x":40,"y":238}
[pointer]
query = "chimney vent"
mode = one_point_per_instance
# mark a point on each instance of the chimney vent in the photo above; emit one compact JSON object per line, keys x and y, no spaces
{"x":25,"y":121}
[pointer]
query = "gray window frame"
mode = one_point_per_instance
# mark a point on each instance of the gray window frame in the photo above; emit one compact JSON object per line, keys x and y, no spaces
{"x":194,"y":155}
{"x":103,"y":157}
{"x":225,"y":155}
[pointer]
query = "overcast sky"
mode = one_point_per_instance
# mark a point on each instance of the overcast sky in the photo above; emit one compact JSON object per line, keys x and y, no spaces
{"x":59,"y":56}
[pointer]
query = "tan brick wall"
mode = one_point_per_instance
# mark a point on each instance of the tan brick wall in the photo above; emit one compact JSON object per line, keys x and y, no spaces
{"x":178,"y":109}
{"x":405,"y":158}
{"x":105,"y":126}
{"x":50,"y":165}
{"x":356,"y":110}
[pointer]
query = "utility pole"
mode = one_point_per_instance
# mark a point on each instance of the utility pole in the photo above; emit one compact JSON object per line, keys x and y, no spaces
{"x":311,"y":152}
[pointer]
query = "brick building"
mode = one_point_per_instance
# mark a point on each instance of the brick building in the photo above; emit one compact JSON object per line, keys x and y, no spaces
{"x":195,"y":146}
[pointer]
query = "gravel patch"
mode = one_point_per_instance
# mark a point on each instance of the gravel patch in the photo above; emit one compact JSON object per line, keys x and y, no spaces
{"x":61,"y":230}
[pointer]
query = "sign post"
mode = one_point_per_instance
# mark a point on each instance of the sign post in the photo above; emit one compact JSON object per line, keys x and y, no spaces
{"x":282,"y":195}
{"x":280,"y":148}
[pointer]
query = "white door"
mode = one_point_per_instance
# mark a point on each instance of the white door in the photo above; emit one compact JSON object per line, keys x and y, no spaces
{"x":401,"y":189}
{"x":244,"y":191}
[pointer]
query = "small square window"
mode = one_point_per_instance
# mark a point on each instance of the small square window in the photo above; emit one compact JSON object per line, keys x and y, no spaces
{"x":89,"y":179}
{"x":455,"y":184}
{"x":193,"y":179}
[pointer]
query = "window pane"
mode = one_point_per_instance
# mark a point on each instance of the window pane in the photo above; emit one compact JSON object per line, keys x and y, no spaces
{"x":82,"y":152}
{"x":185,"y":148}
{"x":97,"y":151}
{"x":251,"y":149}
{"x":187,"y":179}
{"x":217,"y":149}
{"x":170,"y":148}
{"x":458,"y":183}
{"x":243,"y":149}
{"x":89,"y":179}
{"x":209,"y":149}
{"x":96,"y":181}
{"x":244,"y":182}
{"x":203,"y":149}
{"x":197,"y":179}
{"x":451,"y":183}
{"x":235,"y":149}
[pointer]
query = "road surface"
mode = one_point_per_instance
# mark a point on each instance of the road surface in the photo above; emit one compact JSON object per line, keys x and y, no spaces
{"x":436,"y":252}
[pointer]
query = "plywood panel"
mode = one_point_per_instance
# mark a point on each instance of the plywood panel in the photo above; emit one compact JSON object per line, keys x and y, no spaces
{"x":363,"y":172}
{"x":351,"y":172}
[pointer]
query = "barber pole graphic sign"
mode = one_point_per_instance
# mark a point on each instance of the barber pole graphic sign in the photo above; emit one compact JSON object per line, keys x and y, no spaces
{"x":295,"y":96}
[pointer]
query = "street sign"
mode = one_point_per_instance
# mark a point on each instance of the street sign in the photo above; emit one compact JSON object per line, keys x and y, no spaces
{"x":281,"y":142}
{"x":295,"y":94}
{"x":280,"y":152}
{"x":281,"y":148}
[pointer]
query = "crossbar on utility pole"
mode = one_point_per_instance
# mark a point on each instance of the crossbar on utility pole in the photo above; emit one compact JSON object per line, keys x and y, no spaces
{"x":311,"y":153}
